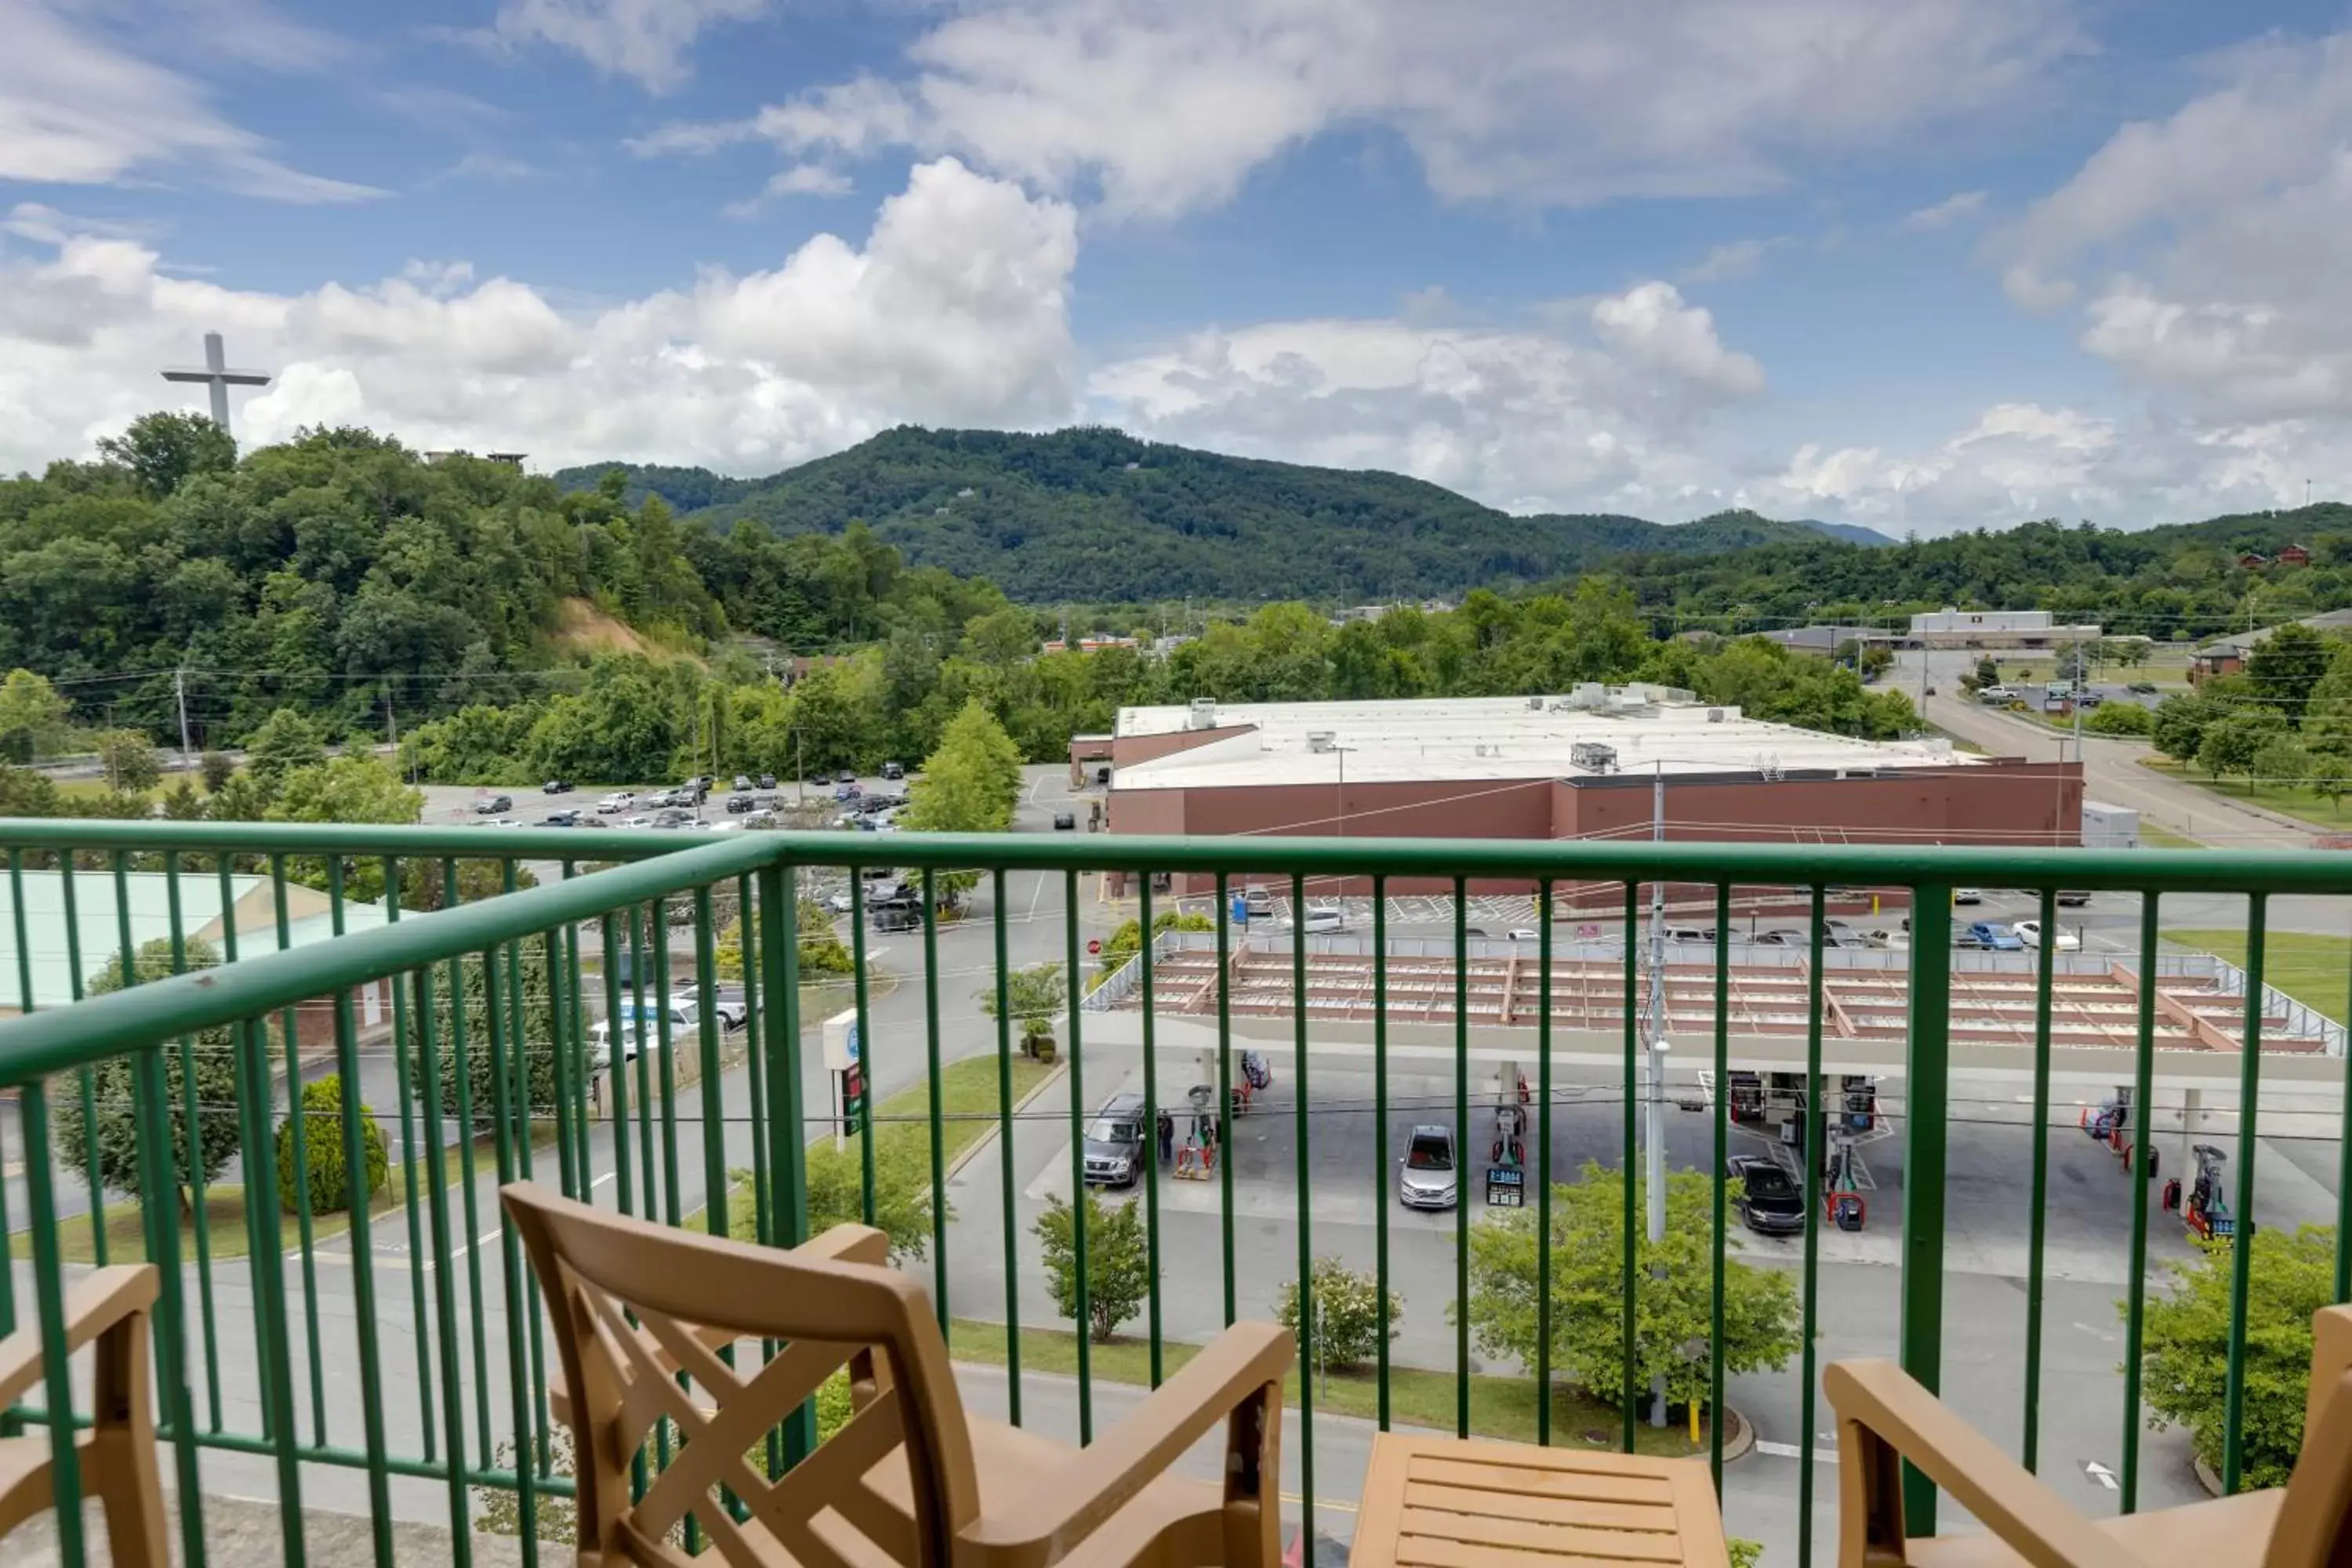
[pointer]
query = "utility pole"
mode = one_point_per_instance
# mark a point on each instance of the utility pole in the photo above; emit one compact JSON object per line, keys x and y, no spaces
{"x":1654,"y":1165}
{"x":179,"y":692}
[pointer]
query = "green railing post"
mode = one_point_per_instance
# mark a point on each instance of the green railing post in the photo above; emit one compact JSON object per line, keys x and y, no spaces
{"x":1628,"y":1341}
{"x":1381,"y":1175}
{"x":1927,"y":1067}
{"x":1461,"y":1158}
{"x":787,"y":1131}
{"x":1543,"y":1175}
{"x":1722,"y":1179}
{"x":2044,"y":983}
{"x":49,"y":1292}
{"x":2241,"y":1244}
{"x":2136,"y":1294}
{"x":1074,"y":995}
{"x":1153,"y":1174}
{"x":1004,"y":1153}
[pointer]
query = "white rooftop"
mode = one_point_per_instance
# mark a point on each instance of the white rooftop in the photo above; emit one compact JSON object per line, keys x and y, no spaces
{"x":1494,"y":738}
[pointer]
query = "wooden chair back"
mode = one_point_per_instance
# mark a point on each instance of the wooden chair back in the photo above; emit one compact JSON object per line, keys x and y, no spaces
{"x":2315,"y":1520}
{"x":635,"y":1305}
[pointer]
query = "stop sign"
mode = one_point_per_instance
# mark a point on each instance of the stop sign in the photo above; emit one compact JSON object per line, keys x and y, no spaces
{"x":1094,"y":944}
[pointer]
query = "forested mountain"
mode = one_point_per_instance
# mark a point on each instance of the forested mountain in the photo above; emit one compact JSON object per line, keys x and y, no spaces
{"x":1093,"y":515}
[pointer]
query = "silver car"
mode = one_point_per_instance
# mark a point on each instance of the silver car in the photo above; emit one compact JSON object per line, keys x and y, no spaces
{"x":1426,"y":1176}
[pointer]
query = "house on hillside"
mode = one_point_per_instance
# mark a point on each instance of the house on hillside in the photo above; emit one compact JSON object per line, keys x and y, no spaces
{"x":2252,"y":561}
{"x":2228,"y":656}
{"x":2294,"y":555}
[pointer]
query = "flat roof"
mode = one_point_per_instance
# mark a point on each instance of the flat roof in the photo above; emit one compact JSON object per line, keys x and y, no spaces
{"x":1495,"y":738}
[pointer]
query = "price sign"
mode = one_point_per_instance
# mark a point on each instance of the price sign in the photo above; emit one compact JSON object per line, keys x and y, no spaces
{"x":1507,"y":1187}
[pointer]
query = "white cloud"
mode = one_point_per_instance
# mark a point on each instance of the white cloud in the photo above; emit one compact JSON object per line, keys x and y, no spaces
{"x":2213,"y":249}
{"x":76,"y":108}
{"x":1963,"y":206}
{"x":954,"y":310}
{"x":645,"y":40}
{"x":799,"y":180}
{"x":1737,"y":258}
{"x":1543,"y":101}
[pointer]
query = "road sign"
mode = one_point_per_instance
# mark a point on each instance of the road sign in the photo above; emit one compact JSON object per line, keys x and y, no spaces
{"x":1094,"y":944}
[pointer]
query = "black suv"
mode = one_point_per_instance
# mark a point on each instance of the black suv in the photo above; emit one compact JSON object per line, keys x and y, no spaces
{"x":894,"y":770}
{"x":1115,"y":1142}
{"x":1767,"y":1197}
{"x":495,"y":804}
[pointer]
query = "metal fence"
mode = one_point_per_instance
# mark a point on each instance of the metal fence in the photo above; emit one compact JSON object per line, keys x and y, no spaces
{"x":437,"y":1376}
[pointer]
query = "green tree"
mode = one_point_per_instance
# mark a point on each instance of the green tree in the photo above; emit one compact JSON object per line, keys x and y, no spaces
{"x":2186,"y":1347}
{"x":822,"y":951}
{"x":216,"y":1134}
{"x":2180,"y":723}
{"x":1350,"y":1320}
{"x":216,"y":769}
{"x":24,"y":793}
{"x":2327,"y":716}
{"x":287,"y":740}
{"x":330,"y":1179}
{"x":972,"y":782}
{"x":130,"y":760}
{"x":530,"y":1036}
{"x":163,"y":451}
{"x":2232,"y":745}
{"x":1119,"y":1264}
{"x":32,"y":717}
{"x":2287,"y":665}
{"x":2119,"y":718}
{"x":2331,"y":776}
{"x":1127,"y":939}
{"x":2282,"y":760}
{"x":1034,"y":998}
{"x":1760,"y":1325}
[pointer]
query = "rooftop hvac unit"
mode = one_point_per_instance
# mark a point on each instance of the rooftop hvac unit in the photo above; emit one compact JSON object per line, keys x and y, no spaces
{"x":1587,"y":694}
{"x":1715,"y":715}
{"x":1205,"y":713}
{"x":1593,"y":757}
{"x":1321,"y":740}
{"x":1535,"y":704}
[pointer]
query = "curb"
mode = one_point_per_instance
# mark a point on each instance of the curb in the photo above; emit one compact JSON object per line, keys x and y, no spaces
{"x":972,"y":1152}
{"x":1740,"y":1441}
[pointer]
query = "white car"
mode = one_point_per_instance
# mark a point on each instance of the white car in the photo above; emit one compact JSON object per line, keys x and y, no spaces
{"x":1527,"y":933}
{"x":2030,"y":934}
{"x":842,"y":903}
{"x":639,"y":822}
{"x":1890,"y":939}
{"x":616,"y":803}
{"x":1968,"y":895}
{"x":1318,"y":923}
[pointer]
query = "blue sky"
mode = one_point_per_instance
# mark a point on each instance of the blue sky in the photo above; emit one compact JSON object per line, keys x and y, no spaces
{"x":1922,"y":264}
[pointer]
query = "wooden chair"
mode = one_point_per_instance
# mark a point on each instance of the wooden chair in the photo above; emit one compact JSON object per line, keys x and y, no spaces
{"x":911,"y":1478}
{"x":1885,"y":1417}
{"x":118,"y":1452}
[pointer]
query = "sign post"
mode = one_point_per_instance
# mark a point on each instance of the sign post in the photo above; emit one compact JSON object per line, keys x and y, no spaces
{"x":846,"y":1071}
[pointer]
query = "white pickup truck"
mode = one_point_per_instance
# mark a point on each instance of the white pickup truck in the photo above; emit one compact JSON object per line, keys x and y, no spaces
{"x":613,"y":805}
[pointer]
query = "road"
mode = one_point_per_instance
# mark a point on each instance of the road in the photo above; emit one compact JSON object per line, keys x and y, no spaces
{"x":2111,"y":769}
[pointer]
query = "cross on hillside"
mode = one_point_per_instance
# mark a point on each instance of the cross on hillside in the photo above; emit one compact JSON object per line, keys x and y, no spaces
{"x":217,"y":375}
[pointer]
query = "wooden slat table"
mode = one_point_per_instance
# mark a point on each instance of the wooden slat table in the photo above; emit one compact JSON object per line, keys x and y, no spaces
{"x":1440,"y":1502}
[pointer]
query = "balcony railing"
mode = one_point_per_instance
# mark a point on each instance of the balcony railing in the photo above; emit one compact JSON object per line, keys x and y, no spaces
{"x":388,"y":1360}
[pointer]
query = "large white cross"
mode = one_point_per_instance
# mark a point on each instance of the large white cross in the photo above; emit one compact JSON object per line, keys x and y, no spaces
{"x":215,"y":372}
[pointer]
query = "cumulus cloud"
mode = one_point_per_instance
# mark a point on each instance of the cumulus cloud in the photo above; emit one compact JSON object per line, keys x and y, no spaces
{"x":1963,"y":207}
{"x":79,"y":107}
{"x":645,"y":40}
{"x":954,"y":310}
{"x":1542,"y":101}
{"x":1736,"y":259}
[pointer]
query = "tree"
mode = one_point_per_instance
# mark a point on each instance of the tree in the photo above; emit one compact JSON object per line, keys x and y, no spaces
{"x":2231,"y":745}
{"x":2327,"y":716}
{"x":1127,"y":939}
{"x":2331,"y":776}
{"x":350,"y":788}
{"x":822,"y":951}
{"x":972,"y":782}
{"x":286,"y":740}
{"x":1760,"y":1324}
{"x":2180,"y":723}
{"x":1348,"y":1320}
{"x":2119,"y":718}
{"x":2186,"y":1347}
{"x":330,"y":1185}
{"x":163,"y":451}
{"x":218,"y":1135}
{"x":32,"y":717}
{"x":2286,"y":665}
{"x":2282,"y":760}
{"x":1034,"y":997}
{"x":216,"y":769}
{"x":1119,"y":1264}
{"x":532,"y":1036}
{"x":24,"y":793}
{"x":130,"y":760}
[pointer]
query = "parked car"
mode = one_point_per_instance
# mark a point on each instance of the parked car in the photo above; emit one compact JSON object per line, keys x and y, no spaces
{"x":2030,"y":934}
{"x":1968,"y":895}
{"x":1766,"y":1197}
{"x":1426,"y":1176}
{"x":728,"y":1004}
{"x":739,"y":804}
{"x":894,"y":770}
{"x":1064,"y":821}
{"x":741,"y":781}
{"x":1256,"y":902}
{"x":1783,"y":938}
{"x":2142,"y":688}
{"x":2072,"y":898}
{"x":1114,"y":1143}
{"x":1994,"y":936}
{"x":639,"y":822}
{"x":2089,"y":700}
{"x":1689,"y":934}
{"x":1995,"y":694}
{"x":559,"y":819}
{"x":643,"y":1019}
{"x":495,"y":804}
{"x":1321,"y":922}
{"x":1893,"y":940}
{"x":1527,"y":933}
{"x":767,"y":781}
{"x":846,"y":791}
{"x":841,"y":903}
{"x":555,"y":786}
{"x":620,"y":800}
{"x":845,"y":775}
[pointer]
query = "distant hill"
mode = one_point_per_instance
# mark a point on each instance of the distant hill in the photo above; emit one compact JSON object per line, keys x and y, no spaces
{"x":1095,"y":514}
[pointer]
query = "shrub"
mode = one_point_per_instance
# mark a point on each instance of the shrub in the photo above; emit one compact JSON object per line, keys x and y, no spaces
{"x":2119,"y":718}
{"x":322,"y":1146}
{"x":1348,"y":1321}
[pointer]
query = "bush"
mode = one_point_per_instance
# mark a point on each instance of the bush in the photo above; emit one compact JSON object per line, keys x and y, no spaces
{"x":323,"y":1144}
{"x":114,"y":1097}
{"x":216,"y":770}
{"x":1348,"y":1317}
{"x":1118,"y":1262}
{"x":2119,"y":718}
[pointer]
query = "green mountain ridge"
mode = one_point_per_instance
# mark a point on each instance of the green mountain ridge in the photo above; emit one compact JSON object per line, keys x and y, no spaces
{"x":1095,"y":514}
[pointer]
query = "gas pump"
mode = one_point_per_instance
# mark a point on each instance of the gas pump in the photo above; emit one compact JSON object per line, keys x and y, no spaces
{"x":2110,"y":1123}
{"x":2207,"y":1212}
{"x":1841,"y":1201}
{"x":1510,"y":1136}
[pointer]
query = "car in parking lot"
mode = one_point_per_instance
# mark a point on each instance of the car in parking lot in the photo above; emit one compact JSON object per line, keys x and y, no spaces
{"x":495,"y":804}
{"x":842,"y":903}
{"x":1256,"y":902}
{"x":1968,"y":895}
{"x":559,"y":819}
{"x":1319,"y":922}
{"x":1114,"y":1143}
{"x":728,"y":1004}
{"x":1991,"y":935}
{"x":2030,"y":934}
{"x":1782,"y":937}
{"x":1892,"y":939}
{"x":2072,"y":898}
{"x":742,"y":782}
{"x":1766,"y":1196}
{"x":555,"y":786}
{"x":894,"y":770}
{"x":767,"y":781}
{"x":639,"y":822}
{"x":1426,"y":1176}
{"x":1527,"y":933}
{"x":845,"y":775}
{"x":740,"y":804}
{"x":1995,"y":694}
{"x":1064,"y":821}
{"x":644,"y":1020}
{"x":620,"y":800}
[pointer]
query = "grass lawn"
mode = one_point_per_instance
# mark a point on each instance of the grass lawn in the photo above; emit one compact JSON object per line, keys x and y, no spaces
{"x":2157,"y":837}
{"x":2316,"y":970}
{"x":2293,"y":800}
{"x":1500,"y":1407}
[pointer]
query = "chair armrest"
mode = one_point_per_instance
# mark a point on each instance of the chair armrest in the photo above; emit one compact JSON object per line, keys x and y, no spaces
{"x":1107,"y":1475}
{"x":1889,"y":1405}
{"x":97,"y":1302}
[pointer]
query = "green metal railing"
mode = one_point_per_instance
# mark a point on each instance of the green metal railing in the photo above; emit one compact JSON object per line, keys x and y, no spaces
{"x":492,"y":1008}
